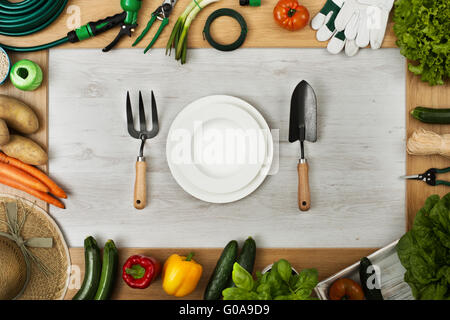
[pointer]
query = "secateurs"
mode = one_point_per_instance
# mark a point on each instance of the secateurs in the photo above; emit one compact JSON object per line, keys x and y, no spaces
{"x":430,"y":177}
{"x":140,"y":186}
{"x":161,"y":13}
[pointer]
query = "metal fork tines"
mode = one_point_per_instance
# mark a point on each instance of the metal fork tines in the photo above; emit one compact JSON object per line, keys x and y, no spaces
{"x":140,"y":185}
{"x":142,"y":134}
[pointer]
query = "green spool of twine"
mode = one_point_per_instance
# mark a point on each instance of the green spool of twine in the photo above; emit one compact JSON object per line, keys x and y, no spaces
{"x":26,"y":75}
{"x":230,"y":13}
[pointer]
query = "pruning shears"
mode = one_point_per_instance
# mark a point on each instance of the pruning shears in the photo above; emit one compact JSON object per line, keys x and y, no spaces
{"x":161,"y":13}
{"x":430,"y":177}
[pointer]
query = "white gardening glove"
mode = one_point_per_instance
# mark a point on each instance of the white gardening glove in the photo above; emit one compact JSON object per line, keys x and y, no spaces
{"x":364,"y":21}
{"x":324,"y":23}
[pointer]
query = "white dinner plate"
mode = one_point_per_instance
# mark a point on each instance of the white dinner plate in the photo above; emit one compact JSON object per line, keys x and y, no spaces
{"x":208,"y":180}
{"x":224,"y":153}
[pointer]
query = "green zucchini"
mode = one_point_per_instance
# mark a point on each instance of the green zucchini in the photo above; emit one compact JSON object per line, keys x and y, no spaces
{"x":431,"y":115}
{"x":109,"y":271}
{"x":246,"y":258}
{"x":92,"y":271}
{"x":365,"y":276}
{"x":222,"y":273}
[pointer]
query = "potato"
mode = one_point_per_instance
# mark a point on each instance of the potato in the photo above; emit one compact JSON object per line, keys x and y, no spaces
{"x":25,"y":149}
{"x":4,"y":133}
{"x":18,"y":115}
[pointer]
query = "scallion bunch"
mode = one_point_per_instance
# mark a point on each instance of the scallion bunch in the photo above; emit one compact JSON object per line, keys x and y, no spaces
{"x":178,"y":37}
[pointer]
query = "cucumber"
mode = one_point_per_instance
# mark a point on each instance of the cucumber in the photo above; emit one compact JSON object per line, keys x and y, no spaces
{"x":222,"y":273}
{"x":246,"y":258}
{"x":92,"y":272}
{"x":430,"y":115}
{"x":364,"y":275}
{"x":109,"y":271}
{"x":248,"y":254}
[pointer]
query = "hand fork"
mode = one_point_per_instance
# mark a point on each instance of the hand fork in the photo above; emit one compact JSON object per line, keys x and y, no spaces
{"x":140,"y":185}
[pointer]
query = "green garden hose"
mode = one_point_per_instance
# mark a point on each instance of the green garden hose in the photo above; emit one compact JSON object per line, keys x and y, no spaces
{"x":27,"y":17}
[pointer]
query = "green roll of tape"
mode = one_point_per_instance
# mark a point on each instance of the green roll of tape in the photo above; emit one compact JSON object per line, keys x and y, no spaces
{"x":26,"y":75}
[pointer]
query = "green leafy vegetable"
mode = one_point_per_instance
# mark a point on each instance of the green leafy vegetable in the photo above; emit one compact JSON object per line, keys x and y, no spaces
{"x":278,"y":284}
{"x":178,"y":37}
{"x":425,"y":251}
{"x":422,"y":28}
{"x":241,"y":278}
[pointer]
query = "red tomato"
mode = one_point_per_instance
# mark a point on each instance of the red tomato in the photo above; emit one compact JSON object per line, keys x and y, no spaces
{"x":291,"y":15}
{"x":346,"y":289}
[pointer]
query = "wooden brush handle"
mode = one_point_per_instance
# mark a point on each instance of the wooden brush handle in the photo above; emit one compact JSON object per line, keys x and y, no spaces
{"x":140,"y":185}
{"x":304,"y":197}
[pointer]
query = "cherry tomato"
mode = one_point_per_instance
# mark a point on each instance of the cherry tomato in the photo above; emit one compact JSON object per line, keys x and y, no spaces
{"x":346,"y":289}
{"x":291,"y":15}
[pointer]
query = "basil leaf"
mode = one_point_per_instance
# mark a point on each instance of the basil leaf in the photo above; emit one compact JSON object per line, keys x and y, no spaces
{"x":241,"y":278}
{"x":264,"y":296}
{"x":284,"y":269}
{"x":263,"y":288}
{"x":285,"y":297}
{"x":307,"y":280}
{"x":303,"y":294}
{"x":235,"y":294}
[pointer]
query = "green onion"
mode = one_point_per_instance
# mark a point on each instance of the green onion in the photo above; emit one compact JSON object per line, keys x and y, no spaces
{"x":178,"y":37}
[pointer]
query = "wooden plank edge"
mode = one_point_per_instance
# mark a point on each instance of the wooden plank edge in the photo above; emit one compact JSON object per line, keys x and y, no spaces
{"x":327,"y":261}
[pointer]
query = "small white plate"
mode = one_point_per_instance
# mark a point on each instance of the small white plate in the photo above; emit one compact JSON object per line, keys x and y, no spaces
{"x":215,"y":182}
{"x":226,"y":149}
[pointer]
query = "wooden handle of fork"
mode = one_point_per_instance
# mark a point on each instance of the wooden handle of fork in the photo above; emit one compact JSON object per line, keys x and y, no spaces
{"x":140,"y":185}
{"x":304,"y":197}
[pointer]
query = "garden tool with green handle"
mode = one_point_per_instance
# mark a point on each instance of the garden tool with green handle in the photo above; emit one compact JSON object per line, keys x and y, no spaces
{"x":129,"y":24}
{"x":429,"y":177}
{"x":161,"y":13}
{"x":364,"y":21}
{"x":324,"y":23}
{"x":34,"y":15}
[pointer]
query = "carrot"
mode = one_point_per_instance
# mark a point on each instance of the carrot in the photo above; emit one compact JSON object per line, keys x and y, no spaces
{"x":22,"y":177}
{"x":35,"y":172}
{"x":38,"y":194}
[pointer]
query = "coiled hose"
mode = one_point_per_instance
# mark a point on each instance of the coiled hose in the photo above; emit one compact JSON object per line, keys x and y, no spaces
{"x":27,"y":17}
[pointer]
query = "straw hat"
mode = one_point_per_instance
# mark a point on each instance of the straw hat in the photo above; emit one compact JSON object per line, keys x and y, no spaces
{"x":13,"y":272}
{"x":34,"y":258}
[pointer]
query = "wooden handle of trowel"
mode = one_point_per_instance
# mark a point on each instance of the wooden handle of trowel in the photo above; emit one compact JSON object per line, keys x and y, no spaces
{"x":140,"y":185}
{"x":304,"y":197}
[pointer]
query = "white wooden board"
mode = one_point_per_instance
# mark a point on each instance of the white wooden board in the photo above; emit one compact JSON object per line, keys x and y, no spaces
{"x":357,"y":198}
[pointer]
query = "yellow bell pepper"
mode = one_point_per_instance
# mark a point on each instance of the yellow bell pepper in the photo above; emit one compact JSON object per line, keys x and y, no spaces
{"x":181,"y":275}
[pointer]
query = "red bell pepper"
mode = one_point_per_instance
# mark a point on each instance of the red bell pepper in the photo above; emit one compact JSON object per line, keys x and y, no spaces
{"x":139,"y":271}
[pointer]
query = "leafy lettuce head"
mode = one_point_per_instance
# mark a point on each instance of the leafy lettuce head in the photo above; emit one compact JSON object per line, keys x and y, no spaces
{"x":422,"y":29}
{"x":425,"y":251}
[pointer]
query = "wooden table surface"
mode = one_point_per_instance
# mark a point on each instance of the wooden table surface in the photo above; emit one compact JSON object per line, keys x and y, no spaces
{"x":329,"y":260}
{"x":357,"y":196}
{"x":421,"y":94}
{"x":263,"y":30}
{"x":362,"y":132}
